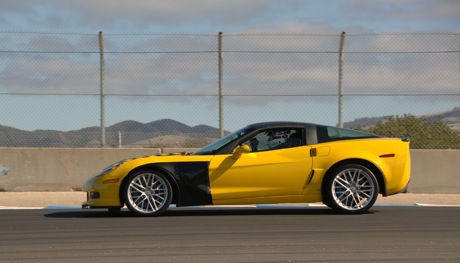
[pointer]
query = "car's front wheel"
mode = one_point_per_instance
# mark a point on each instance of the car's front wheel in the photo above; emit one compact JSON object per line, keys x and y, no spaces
{"x":351,"y":189}
{"x":147,"y":193}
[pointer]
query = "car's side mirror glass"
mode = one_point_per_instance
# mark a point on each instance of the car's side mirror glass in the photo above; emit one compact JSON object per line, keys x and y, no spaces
{"x":239,"y":151}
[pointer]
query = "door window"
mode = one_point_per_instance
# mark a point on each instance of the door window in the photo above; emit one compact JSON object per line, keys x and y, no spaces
{"x":274,"y":139}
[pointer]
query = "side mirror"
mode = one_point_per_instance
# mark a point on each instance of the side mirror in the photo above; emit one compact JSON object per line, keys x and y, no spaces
{"x":239,"y":151}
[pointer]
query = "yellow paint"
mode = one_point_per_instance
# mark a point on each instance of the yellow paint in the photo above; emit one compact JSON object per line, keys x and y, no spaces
{"x":260,"y":174}
{"x":286,"y":175}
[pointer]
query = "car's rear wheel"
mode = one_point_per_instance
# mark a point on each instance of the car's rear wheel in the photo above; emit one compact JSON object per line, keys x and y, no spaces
{"x":147,"y":193}
{"x":351,"y":189}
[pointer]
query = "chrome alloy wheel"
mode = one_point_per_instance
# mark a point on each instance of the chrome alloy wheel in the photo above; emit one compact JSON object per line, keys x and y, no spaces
{"x":148,"y":193}
{"x":354,"y":189}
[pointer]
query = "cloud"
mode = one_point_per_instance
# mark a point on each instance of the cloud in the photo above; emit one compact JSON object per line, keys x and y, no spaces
{"x":176,"y":65}
{"x":285,"y":51}
{"x":407,"y":15}
{"x":42,"y":75}
{"x":230,"y":16}
{"x":290,"y":27}
{"x":141,"y":14}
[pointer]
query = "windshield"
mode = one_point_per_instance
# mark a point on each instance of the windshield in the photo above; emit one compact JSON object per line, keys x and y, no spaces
{"x":222,"y":142}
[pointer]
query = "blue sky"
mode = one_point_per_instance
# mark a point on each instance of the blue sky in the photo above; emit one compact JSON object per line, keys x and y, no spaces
{"x":210,"y":17}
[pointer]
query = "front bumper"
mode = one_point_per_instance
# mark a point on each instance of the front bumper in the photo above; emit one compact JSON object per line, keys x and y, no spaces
{"x":102,"y":192}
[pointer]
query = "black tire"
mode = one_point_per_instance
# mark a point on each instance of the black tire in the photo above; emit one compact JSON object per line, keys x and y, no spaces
{"x":147,"y":193}
{"x":351,"y":189}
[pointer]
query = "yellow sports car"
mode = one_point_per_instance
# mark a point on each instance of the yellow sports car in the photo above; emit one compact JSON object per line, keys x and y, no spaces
{"x":264,"y":163}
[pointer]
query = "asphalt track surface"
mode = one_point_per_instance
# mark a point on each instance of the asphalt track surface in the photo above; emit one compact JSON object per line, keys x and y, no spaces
{"x":223,"y":234}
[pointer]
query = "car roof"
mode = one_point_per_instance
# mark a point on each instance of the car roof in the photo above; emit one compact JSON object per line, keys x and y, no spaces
{"x":274,"y":124}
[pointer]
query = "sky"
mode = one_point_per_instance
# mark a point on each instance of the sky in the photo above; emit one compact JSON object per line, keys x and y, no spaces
{"x":190,"y":23}
{"x":208,"y":16}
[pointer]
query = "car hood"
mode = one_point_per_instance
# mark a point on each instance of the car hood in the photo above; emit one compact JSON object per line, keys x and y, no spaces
{"x":166,"y":158}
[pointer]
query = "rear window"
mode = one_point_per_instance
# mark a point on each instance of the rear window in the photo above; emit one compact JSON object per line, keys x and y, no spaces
{"x":328,"y":133}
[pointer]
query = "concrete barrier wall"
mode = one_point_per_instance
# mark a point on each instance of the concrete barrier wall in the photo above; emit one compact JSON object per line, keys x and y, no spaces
{"x":435,"y":171}
{"x":48,"y":169}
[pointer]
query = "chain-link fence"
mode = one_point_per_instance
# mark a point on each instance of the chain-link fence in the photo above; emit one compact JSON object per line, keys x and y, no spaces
{"x":183,"y":90}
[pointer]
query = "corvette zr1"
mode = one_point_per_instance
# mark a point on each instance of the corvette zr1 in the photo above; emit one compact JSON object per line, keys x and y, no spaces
{"x":263,"y":163}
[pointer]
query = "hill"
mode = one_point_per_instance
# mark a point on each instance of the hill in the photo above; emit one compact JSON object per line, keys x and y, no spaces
{"x":161,"y":133}
{"x":451,"y":118}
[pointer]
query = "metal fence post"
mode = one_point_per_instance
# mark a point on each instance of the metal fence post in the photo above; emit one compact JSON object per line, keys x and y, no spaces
{"x":342,"y":43}
{"x":101,"y":83}
{"x":221,"y":99}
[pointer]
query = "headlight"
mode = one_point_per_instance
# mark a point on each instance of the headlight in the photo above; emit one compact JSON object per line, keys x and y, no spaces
{"x":109,"y":169}
{"x":112,"y":167}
